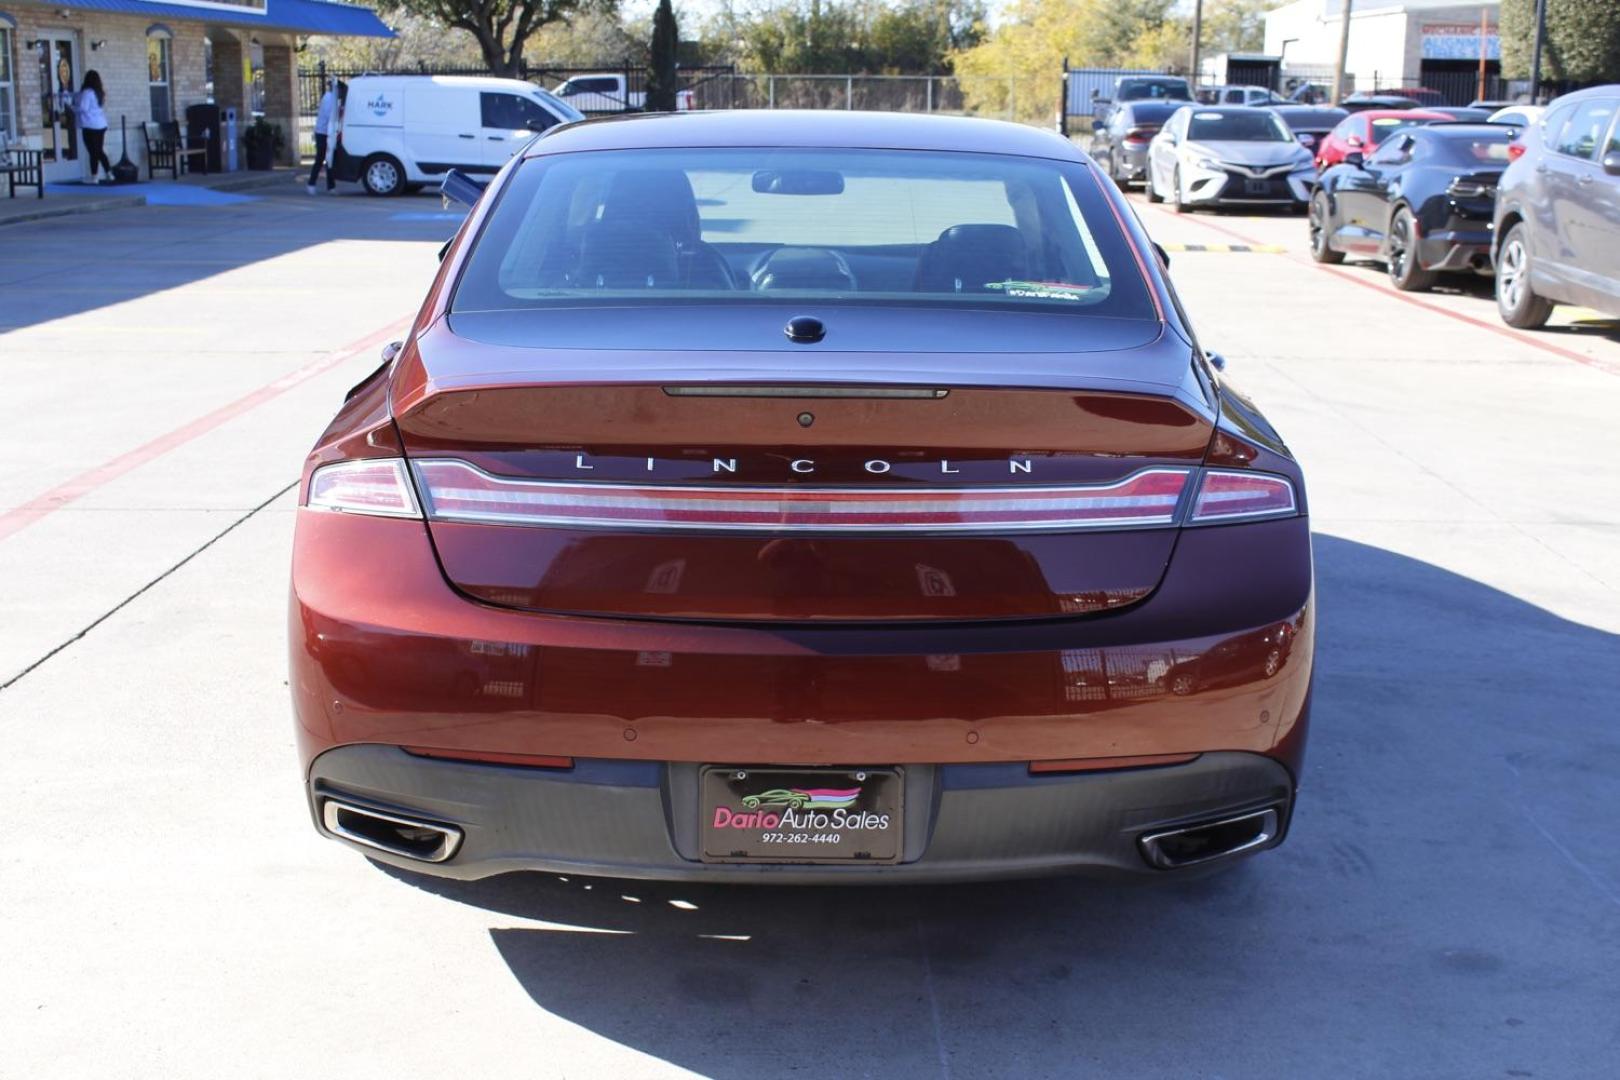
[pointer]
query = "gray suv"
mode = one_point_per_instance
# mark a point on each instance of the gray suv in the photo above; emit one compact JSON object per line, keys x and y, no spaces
{"x":1557,"y":224}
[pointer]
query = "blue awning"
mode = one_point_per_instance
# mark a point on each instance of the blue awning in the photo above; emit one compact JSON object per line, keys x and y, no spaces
{"x":294,"y":16}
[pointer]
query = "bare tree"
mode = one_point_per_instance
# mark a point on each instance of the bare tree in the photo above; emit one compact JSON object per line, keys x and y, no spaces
{"x":501,"y":27}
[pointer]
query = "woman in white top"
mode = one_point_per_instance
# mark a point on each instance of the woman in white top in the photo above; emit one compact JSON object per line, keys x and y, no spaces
{"x":93,"y":123}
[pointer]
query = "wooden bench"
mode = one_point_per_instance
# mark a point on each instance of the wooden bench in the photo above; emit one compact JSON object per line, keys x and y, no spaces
{"x":23,"y":167}
{"x":166,"y":149}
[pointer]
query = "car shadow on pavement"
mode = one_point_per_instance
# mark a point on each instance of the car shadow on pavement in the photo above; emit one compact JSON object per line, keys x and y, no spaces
{"x":61,"y":267}
{"x":1445,"y":906}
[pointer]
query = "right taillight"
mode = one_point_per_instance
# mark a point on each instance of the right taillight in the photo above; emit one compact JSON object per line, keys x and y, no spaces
{"x":1515,"y":150}
{"x":1233,"y":496}
{"x":367,"y":486}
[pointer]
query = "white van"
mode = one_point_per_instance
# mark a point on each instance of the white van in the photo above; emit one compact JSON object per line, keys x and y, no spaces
{"x":400,"y":131}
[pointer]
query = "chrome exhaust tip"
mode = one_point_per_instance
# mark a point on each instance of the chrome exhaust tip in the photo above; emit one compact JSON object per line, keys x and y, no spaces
{"x":1207,"y":841}
{"x":424,"y":841}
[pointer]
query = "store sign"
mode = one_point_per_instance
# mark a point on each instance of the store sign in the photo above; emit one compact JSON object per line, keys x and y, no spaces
{"x":1459,"y":41}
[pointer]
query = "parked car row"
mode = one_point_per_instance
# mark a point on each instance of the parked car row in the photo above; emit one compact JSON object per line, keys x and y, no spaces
{"x":1532,"y":197}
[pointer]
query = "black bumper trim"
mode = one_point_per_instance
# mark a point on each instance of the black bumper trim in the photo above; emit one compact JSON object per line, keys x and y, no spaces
{"x":526,"y":819}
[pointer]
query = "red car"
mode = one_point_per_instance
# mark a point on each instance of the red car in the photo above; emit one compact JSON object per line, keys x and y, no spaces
{"x":1361,"y":132}
{"x":806,"y":498}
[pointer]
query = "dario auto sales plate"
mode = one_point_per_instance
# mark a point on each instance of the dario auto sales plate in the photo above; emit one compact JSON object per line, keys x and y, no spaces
{"x":800,"y":815}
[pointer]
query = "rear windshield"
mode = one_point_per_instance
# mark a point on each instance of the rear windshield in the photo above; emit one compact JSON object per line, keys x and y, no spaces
{"x":1476,"y":148}
{"x":1385,"y":126}
{"x":846,"y":226}
{"x":1147,"y":89}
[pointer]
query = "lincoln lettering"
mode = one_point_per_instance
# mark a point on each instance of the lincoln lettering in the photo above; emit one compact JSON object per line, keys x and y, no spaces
{"x":807,"y":466}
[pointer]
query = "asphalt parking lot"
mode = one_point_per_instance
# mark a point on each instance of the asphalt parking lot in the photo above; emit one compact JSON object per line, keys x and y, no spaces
{"x":1448,"y":904}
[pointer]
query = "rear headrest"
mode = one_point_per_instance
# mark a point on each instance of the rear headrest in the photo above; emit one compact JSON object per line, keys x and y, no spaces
{"x":804,"y":268}
{"x":965,"y":258}
{"x":655,"y":198}
{"x":619,"y":255}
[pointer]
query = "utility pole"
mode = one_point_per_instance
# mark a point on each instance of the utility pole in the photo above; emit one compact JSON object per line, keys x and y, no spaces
{"x":1480,"y":95}
{"x":1344,"y":53}
{"x":1535,"y":52}
{"x":1198,"y":29}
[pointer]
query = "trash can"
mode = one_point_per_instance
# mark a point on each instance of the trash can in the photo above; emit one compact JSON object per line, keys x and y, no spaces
{"x":202,"y":129}
{"x":227,"y":128}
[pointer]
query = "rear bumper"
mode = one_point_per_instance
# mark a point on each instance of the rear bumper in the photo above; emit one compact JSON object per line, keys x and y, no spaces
{"x":1132,"y":165}
{"x":1458,"y":249}
{"x":382,"y":649}
{"x":641,"y":819}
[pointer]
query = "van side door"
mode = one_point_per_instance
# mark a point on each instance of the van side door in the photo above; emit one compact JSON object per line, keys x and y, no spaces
{"x":442,"y":128}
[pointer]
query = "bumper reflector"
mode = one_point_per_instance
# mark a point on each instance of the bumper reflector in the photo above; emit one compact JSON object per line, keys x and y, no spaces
{"x":457,"y":491}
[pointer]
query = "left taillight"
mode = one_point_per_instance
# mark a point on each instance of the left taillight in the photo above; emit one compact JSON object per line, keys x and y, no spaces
{"x":380,"y":486}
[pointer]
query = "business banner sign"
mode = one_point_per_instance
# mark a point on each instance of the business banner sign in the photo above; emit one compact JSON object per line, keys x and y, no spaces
{"x":1459,"y":41}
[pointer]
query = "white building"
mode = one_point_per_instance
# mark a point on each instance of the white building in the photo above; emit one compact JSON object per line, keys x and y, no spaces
{"x":1393,"y":43}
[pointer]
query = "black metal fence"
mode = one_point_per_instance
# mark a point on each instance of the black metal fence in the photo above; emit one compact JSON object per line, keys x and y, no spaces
{"x":710,"y":87}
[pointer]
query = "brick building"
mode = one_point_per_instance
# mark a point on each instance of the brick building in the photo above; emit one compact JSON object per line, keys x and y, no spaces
{"x":155,"y":59}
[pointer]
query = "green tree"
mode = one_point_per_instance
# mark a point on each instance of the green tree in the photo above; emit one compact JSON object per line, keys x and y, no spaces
{"x":1582,"y":43}
{"x":1234,"y":26}
{"x":589,"y":38}
{"x":816,"y":37}
{"x":500,"y":27}
{"x":662,"y":79}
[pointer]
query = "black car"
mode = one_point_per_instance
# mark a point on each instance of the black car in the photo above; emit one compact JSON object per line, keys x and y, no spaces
{"x":1120,"y":145}
{"x":1363,"y":102}
{"x":1421,"y":204}
{"x":1310,"y":123}
{"x":1464,"y":113}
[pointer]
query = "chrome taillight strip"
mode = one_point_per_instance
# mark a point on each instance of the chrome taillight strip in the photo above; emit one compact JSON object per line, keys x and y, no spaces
{"x":456,"y":490}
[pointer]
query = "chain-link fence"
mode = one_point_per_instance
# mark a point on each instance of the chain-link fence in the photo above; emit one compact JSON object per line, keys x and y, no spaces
{"x":1028,"y":98}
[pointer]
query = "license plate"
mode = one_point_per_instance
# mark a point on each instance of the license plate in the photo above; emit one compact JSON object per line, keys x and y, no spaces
{"x":1257,"y":187}
{"x":801,"y":815}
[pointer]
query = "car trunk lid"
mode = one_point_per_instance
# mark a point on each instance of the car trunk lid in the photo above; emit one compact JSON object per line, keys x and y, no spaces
{"x":582,"y":488}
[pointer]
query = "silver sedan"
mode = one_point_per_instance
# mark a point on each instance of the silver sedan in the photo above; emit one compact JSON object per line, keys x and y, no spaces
{"x":1228,"y":156}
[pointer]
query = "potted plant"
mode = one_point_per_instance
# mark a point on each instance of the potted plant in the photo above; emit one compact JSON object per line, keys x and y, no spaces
{"x":262,"y":142}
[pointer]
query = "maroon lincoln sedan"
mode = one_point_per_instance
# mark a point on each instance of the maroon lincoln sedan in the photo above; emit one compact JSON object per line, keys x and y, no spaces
{"x":812,"y":497}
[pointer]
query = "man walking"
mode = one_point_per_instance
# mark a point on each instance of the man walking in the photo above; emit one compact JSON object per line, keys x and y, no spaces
{"x":323,"y":128}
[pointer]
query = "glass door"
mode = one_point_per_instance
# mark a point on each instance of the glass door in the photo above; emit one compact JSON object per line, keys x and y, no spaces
{"x":58,"y":58}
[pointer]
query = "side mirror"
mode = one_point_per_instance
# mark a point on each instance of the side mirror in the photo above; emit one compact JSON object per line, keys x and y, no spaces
{"x":1216,"y":361}
{"x":1355,"y":160}
{"x":1097,"y":123}
{"x":1611,"y":163}
{"x":391,"y":350}
{"x":457,"y":186}
{"x":1164,"y":256}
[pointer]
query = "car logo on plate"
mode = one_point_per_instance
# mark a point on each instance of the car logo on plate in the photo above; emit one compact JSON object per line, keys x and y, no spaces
{"x":804,"y":798}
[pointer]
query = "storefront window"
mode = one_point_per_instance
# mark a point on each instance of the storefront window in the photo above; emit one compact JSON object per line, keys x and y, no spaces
{"x":8,"y":97}
{"x":157,"y":77}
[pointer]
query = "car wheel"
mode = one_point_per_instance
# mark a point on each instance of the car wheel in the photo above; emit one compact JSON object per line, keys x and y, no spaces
{"x":1321,"y":247}
{"x":1175,"y":194}
{"x":1517,"y":304}
{"x":1152,"y":188}
{"x":1182,"y":685}
{"x":1405,"y":270}
{"x":383,"y":176}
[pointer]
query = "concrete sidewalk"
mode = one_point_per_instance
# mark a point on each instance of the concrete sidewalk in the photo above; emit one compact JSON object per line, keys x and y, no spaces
{"x":191,"y":189}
